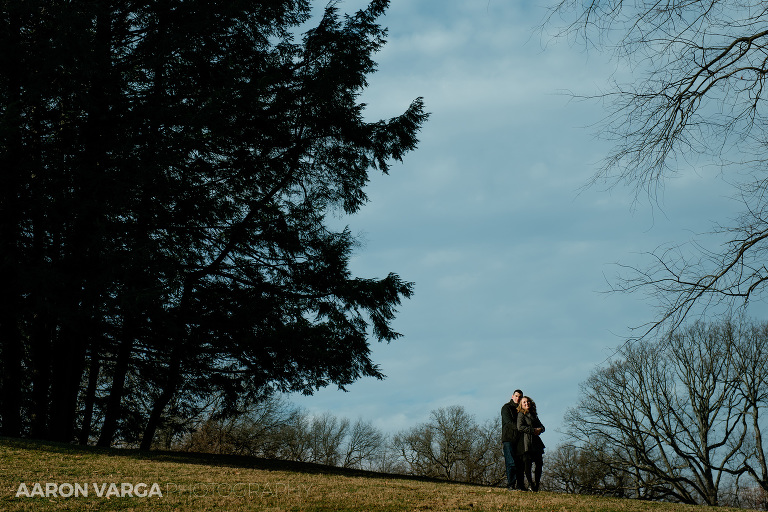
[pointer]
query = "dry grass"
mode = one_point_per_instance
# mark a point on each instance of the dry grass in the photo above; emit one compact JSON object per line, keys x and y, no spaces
{"x":232,"y":484}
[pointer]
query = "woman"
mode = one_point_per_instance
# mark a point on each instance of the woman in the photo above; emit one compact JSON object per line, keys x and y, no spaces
{"x":530,"y":446}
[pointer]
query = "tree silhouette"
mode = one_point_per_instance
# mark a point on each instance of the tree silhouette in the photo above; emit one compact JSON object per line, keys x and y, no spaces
{"x":695,"y":98}
{"x":168,"y":170}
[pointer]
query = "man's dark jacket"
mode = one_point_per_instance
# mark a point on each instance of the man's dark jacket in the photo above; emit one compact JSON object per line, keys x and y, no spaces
{"x":509,"y":432}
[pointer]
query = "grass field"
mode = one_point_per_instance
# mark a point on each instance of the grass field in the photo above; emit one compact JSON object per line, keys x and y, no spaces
{"x":76,"y":478}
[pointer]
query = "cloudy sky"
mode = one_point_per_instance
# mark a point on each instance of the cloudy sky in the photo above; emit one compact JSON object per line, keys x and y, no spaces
{"x":510,"y":257}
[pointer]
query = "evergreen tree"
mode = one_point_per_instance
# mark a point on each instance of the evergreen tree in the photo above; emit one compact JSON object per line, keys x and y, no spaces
{"x":168,"y":167}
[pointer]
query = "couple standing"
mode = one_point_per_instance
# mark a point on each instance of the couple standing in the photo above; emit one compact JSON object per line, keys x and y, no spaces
{"x":520,"y":430}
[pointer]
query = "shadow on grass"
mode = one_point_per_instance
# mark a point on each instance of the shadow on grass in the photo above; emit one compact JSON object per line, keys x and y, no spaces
{"x":211,"y":459}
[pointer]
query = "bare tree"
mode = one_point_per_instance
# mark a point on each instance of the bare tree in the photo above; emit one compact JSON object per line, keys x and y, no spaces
{"x":326,"y":437}
{"x":484,"y":465}
{"x":585,"y":470}
{"x":274,"y":428}
{"x":754,"y":498}
{"x":695,"y":97}
{"x":363,"y":444}
{"x":296,"y":438}
{"x":259,"y":430}
{"x":750,"y":356}
{"x":451,"y":445}
{"x":674,"y":407}
{"x":419,"y":449}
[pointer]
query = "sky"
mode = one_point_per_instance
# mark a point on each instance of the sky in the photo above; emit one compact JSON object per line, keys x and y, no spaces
{"x":510,"y":255}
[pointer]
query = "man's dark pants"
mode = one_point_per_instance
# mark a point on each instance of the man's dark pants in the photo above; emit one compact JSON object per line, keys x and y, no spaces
{"x":514,"y":466}
{"x":510,"y":463}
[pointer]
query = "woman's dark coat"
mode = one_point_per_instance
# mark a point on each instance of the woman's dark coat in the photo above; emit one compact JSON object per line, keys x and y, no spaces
{"x":529,"y":442}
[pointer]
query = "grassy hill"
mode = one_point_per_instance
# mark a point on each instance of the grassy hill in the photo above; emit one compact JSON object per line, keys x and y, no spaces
{"x":77,"y":478}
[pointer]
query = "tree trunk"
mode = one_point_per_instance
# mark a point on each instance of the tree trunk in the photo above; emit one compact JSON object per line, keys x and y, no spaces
{"x":40,"y":362}
{"x":10,"y":385}
{"x":112,"y":414}
{"x":90,"y":397}
{"x":69,"y":365}
{"x":11,"y":342}
{"x":174,"y":374}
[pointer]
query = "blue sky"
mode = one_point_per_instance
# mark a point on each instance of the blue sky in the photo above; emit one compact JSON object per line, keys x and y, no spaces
{"x":488,"y":217}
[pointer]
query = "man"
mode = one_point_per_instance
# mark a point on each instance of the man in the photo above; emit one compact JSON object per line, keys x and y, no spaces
{"x":509,"y":437}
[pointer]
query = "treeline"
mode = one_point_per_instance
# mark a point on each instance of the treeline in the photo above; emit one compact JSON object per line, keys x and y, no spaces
{"x":166,"y":170}
{"x":592,"y":470}
{"x":450,"y":445}
{"x":679,"y":418}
